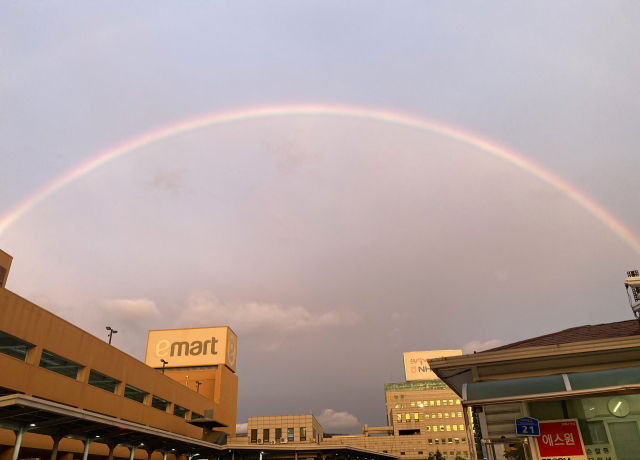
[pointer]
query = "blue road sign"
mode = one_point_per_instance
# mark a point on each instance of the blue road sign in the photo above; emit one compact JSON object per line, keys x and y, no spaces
{"x":527,"y":426}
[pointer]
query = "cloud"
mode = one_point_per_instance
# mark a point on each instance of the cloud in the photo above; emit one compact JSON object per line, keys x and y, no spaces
{"x":242,"y":427}
{"x":131,"y":310}
{"x":204,"y":307}
{"x":171,"y":180}
{"x":334,"y":421}
{"x":480,"y":346}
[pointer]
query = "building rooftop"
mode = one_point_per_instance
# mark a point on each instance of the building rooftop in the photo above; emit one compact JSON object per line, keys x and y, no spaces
{"x":578,"y":334}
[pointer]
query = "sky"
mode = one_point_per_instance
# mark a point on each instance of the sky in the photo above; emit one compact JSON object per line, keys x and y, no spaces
{"x":330,"y":244}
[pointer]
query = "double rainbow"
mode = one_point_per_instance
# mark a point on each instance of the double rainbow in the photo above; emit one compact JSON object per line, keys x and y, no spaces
{"x":328,"y":110}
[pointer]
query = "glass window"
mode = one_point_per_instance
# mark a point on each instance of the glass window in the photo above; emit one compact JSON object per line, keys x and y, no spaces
{"x":419,"y":452}
{"x":465,"y":453}
{"x":60,"y":365}
{"x":457,"y":440}
{"x":426,"y":416}
{"x":195,"y":415}
{"x":435,"y":428}
{"x":438,"y":402}
{"x":431,"y":403}
{"x":416,"y":416}
{"x":457,"y":401}
{"x":441,"y":427}
{"x":450,"y":440}
{"x":437,"y":441}
{"x":407,"y":416}
{"x":430,"y":442}
{"x":461,"y":427}
{"x":455,"y":427}
{"x":515,"y":387}
{"x":180,"y":411}
{"x":448,"y":427}
{"x":254,"y":436}
{"x":395,"y":396}
{"x":289,"y":434}
{"x":401,"y":453}
{"x":464,"y":440}
{"x":399,"y":406}
{"x":428,"y":428}
{"x":265,"y":435}
{"x":401,"y":396}
{"x":444,"y":402}
{"x":605,"y":378}
{"x":278,"y":434}
{"x":13,"y":346}
{"x":446,"y":415}
{"x":459,"y":414}
{"x":399,"y":417}
{"x":160,"y":404}
{"x":439,"y":414}
{"x":413,"y":404}
{"x":303,"y":433}
{"x":134,"y":393}
{"x":419,"y":403}
{"x":99,"y":380}
{"x":433,"y":415}
{"x":451,"y":402}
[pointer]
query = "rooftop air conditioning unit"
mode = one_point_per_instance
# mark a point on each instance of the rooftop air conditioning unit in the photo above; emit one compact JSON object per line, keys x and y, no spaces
{"x":284,"y":440}
{"x":272,"y":442}
{"x":259,"y":441}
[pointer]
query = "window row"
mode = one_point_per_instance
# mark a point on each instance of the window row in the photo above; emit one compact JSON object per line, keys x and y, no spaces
{"x":266,"y":435}
{"x":437,"y":442}
{"x":16,"y":348}
{"x":433,"y":402}
{"x":416,"y":416}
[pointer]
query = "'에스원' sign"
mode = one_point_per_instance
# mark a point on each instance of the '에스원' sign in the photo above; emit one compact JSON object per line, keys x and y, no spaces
{"x":560,"y":438}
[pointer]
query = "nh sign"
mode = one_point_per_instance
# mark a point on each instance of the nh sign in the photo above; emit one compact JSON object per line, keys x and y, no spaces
{"x":527,"y":426}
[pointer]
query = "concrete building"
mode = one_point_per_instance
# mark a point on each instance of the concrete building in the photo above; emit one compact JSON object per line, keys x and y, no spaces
{"x":281,"y":429}
{"x":582,"y":385}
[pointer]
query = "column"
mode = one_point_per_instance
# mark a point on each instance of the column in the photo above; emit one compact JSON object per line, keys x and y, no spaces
{"x":56,"y":443}
{"x":133,"y":451}
{"x":85,"y":453}
{"x":164,"y":455}
{"x":112,"y":447}
{"x":16,"y":447}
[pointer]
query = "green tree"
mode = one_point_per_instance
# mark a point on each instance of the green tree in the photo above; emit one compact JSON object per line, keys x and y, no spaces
{"x":458,"y":458}
{"x":438,"y":455}
{"x":431,"y":456}
{"x":515,"y":453}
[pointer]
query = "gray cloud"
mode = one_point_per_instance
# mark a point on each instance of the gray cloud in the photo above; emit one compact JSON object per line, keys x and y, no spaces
{"x":476,"y":345}
{"x":333,"y":421}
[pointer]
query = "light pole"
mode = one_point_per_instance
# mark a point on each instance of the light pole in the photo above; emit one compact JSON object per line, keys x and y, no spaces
{"x":198,"y":386}
{"x":111,"y":332}
{"x":163,"y":364}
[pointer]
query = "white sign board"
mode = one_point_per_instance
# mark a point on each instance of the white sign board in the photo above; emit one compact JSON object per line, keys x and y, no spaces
{"x":201,"y":346}
{"x":416,"y":366}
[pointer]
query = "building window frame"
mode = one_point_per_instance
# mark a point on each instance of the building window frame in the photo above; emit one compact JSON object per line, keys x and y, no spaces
{"x":135,"y":394}
{"x":56,"y":363}
{"x":18,"y":348}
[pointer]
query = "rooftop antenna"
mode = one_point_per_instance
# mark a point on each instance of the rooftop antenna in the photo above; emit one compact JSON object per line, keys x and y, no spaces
{"x":633,"y":283}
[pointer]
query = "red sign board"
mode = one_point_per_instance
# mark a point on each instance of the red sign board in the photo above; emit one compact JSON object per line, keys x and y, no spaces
{"x":560,"y":438}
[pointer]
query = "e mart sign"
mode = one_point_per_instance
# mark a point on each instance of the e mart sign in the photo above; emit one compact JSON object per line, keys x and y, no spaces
{"x":560,"y":439}
{"x":203,"y":346}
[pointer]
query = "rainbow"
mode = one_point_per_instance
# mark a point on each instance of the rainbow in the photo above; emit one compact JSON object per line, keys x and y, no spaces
{"x":328,"y":110}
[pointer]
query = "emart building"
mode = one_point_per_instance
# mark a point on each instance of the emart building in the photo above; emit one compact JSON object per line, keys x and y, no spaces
{"x":65,"y":394}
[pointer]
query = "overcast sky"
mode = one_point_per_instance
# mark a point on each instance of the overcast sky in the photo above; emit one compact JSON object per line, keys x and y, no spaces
{"x":330,"y":245}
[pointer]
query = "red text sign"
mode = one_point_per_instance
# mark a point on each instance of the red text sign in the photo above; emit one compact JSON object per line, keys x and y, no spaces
{"x":560,"y":438}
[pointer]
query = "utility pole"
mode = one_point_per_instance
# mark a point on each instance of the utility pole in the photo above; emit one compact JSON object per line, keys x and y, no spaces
{"x":111,"y":332}
{"x":163,"y":364}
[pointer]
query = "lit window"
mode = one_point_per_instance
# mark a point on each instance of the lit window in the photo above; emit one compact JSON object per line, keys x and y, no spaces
{"x":453,"y":414}
{"x":464,"y":440}
{"x":428,"y":428}
{"x":134,"y":394}
{"x":289,"y":434}
{"x":435,"y":428}
{"x":159,"y":403}
{"x":398,"y":406}
{"x":13,"y":346}
{"x":461,"y":427}
{"x":265,"y":435}
{"x":448,"y":427}
{"x":446,"y":415}
{"x":459,"y":414}
{"x":455,"y":427}
{"x":433,"y":415}
{"x":457,"y":440}
{"x":451,"y":402}
{"x":99,"y":380}
{"x":413,"y":404}
{"x":426,"y":416}
{"x":60,"y":365}
{"x":303,"y":433}
{"x":431,"y":403}
{"x":450,"y":441}
{"x":180,"y":411}
{"x":444,"y":402}
{"x":399,"y":417}
{"x":439,"y":414}
{"x":419,"y":403}
{"x":254,"y":436}
{"x":438,"y":402}
{"x":437,"y":442}
{"x":457,"y":401}
{"x":408,"y":416}
{"x":430,"y":442}
{"x":441,"y":427}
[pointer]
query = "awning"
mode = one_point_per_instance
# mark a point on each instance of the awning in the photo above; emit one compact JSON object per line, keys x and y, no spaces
{"x":49,"y":418}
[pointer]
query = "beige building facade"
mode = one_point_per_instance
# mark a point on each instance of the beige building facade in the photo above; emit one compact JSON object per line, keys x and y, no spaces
{"x":282,"y":429}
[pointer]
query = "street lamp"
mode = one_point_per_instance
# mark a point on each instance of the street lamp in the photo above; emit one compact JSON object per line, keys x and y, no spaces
{"x":198,"y":386}
{"x":111,"y":332}
{"x":163,"y":364}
